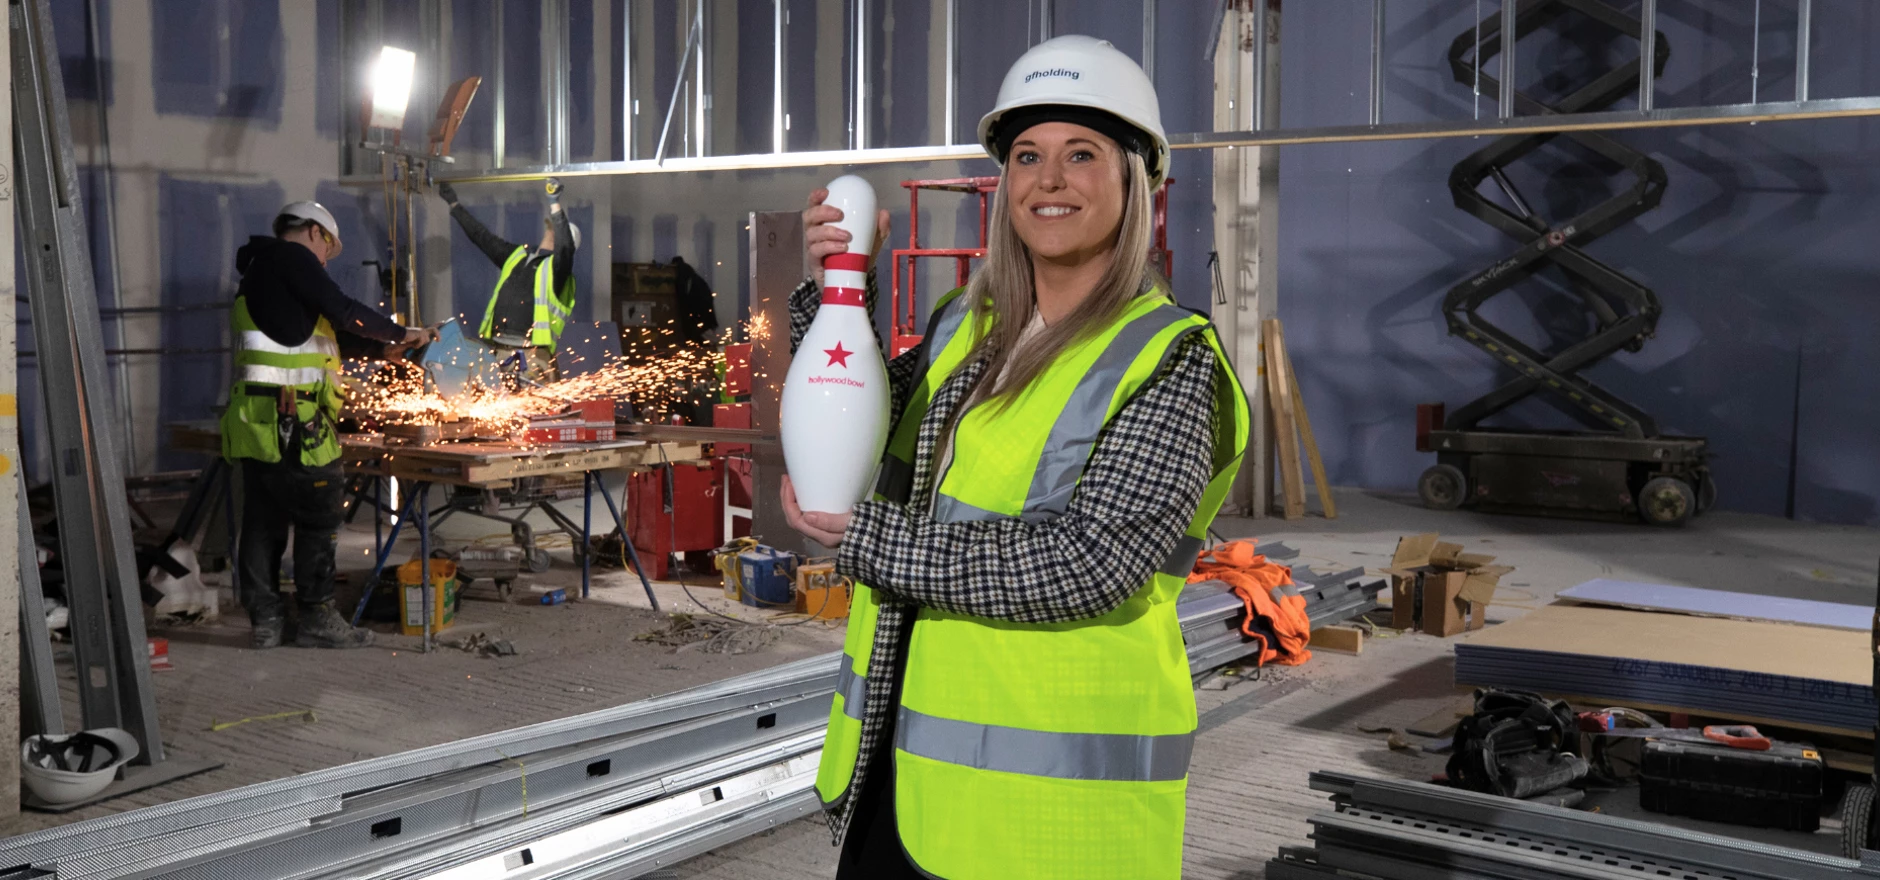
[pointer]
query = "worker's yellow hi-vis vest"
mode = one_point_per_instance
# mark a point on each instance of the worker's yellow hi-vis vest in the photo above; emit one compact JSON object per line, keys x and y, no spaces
{"x":251,"y":426}
{"x":1041,"y":751}
{"x":552,"y":306}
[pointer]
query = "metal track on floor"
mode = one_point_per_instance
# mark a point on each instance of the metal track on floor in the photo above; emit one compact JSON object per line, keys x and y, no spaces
{"x":1401,"y":830}
{"x":615,"y":793}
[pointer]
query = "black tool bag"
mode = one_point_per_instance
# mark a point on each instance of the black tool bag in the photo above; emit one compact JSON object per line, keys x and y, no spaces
{"x":1517,"y":745}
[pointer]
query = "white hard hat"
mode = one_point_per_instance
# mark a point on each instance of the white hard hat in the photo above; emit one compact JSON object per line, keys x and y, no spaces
{"x":1081,"y":72}
{"x":317,"y":213}
{"x":69,"y":769}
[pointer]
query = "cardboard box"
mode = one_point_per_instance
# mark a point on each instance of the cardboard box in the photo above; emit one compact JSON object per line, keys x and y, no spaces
{"x":1440,"y":589}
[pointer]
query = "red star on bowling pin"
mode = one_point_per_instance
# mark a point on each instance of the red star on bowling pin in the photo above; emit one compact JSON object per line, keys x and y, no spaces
{"x":837,"y":356}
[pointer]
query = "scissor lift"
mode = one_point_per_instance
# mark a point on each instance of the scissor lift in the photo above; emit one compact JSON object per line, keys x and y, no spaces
{"x":904,"y":312}
{"x":1623,"y":465}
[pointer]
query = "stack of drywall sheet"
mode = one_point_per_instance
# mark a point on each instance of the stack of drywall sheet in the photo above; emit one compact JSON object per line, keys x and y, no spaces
{"x":1736,"y":664}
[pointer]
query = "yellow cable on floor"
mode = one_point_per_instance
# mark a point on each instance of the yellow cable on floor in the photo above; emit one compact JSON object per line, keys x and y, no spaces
{"x":215,"y":726}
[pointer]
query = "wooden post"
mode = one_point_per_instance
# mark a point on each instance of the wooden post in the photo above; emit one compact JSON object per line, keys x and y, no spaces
{"x":1280,"y":392}
{"x":1312,"y":445}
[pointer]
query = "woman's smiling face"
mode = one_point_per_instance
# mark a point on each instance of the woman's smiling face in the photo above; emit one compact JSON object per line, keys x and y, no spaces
{"x":1065,"y":193}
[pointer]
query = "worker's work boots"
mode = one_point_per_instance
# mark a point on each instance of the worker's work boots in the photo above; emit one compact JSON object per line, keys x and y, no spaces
{"x":322,"y":627}
{"x":267,"y":631}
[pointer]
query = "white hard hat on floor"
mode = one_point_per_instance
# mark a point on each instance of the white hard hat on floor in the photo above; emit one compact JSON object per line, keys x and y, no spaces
{"x":1077,"y":72}
{"x":310,"y":210}
{"x":67,"y":769}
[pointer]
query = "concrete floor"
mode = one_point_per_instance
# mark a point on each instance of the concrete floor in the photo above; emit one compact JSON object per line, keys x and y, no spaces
{"x":1248,"y":793}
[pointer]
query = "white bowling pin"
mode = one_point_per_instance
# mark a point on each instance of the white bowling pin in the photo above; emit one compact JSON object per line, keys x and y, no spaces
{"x":835,"y":397}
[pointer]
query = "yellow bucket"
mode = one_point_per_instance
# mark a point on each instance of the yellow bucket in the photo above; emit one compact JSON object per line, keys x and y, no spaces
{"x":411,"y":596}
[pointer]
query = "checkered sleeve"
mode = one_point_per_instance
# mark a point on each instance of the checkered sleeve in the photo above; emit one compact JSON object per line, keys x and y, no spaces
{"x":1142,"y":487}
{"x":804,"y":301}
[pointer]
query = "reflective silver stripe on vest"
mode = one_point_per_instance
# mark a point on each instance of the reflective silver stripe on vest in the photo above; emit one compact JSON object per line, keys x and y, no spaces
{"x":1067,"y":449}
{"x":896,"y":480}
{"x":1181,"y":561}
{"x":266,"y":375}
{"x":255,"y":340}
{"x":945,"y":324}
{"x":1116,"y":757}
{"x":545,"y":290}
{"x":853,"y":688}
{"x":1074,"y":434}
{"x":947,"y":508}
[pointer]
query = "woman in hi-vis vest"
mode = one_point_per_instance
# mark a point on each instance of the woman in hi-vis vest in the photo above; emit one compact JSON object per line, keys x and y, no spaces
{"x":1014,"y":699}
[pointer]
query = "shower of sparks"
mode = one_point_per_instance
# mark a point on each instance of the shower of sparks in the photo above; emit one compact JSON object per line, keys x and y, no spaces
{"x":667,"y":378}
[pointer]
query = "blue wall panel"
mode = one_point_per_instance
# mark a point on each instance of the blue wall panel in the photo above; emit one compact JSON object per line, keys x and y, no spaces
{"x":79,"y":61}
{"x":472,"y":41}
{"x":329,"y":69}
{"x":186,"y":82}
{"x":522,"y":75}
{"x":756,"y":66}
{"x":203,"y":225}
{"x":665,"y":237}
{"x":617,"y":74}
{"x":581,"y":83}
{"x":799,"y":60}
{"x":900,"y":77}
{"x":218,"y":58}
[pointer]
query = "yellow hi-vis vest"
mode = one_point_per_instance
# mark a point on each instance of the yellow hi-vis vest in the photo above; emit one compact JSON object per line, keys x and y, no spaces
{"x":251,"y":426}
{"x":552,"y":306}
{"x":1040,"y":750}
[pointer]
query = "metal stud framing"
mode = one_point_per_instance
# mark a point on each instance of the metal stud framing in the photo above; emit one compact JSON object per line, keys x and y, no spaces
{"x":88,"y":478}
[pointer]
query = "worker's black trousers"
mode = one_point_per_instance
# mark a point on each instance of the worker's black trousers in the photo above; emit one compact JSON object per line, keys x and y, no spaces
{"x":274,"y":498}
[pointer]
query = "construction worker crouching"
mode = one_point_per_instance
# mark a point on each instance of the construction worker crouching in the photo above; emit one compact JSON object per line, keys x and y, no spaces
{"x":290,"y":326}
{"x":1014,"y":696}
{"x":534,"y":295}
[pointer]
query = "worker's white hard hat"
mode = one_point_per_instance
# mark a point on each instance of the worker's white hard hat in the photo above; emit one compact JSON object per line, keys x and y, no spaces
{"x":317,"y":213}
{"x":1079,"y":72}
{"x":67,"y":769}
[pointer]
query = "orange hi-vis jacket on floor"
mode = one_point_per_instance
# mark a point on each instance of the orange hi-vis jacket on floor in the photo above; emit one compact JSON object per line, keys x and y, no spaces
{"x":1266,"y":587}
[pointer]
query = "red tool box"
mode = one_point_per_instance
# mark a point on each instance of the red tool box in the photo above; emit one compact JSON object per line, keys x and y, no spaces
{"x":675,"y":508}
{"x":738,"y":369}
{"x":731,"y":415}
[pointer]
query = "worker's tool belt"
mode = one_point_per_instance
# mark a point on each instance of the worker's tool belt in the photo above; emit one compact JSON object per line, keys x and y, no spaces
{"x":295,"y":435}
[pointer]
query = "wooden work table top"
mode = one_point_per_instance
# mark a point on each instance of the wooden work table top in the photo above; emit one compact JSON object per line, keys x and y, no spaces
{"x":470,"y":464}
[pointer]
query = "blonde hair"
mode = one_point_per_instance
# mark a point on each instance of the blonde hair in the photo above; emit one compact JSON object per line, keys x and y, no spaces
{"x":1002,"y":290}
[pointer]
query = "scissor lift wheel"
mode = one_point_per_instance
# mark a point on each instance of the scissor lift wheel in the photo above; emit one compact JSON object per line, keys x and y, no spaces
{"x":1443,"y":487}
{"x":1667,"y":501}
